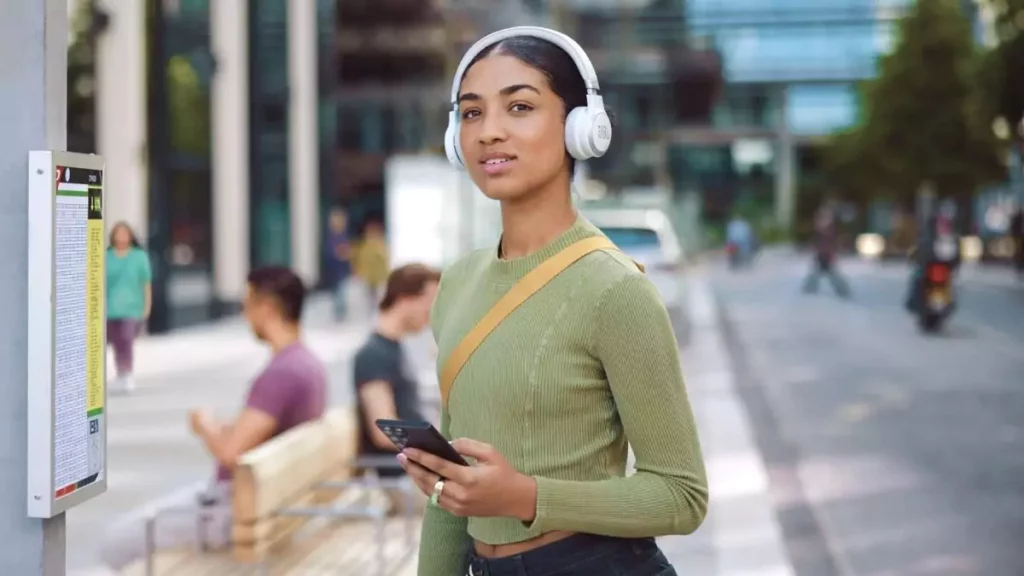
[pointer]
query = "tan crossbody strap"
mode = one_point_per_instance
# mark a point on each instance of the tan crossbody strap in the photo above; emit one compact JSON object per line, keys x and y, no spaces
{"x":526,"y":287}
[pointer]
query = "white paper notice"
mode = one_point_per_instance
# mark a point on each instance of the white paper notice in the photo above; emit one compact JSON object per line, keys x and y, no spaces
{"x":71,"y":429}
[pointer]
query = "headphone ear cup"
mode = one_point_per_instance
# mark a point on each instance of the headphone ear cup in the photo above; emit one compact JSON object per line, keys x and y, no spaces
{"x":600,"y":134}
{"x":451,"y":143}
{"x":577,"y":128}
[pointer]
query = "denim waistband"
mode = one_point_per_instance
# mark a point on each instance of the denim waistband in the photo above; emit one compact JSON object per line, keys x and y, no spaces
{"x":557,"y":556}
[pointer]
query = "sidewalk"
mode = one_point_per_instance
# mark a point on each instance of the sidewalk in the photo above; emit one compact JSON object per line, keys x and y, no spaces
{"x":229,"y":341}
{"x":151,"y":451}
{"x":741,"y":535}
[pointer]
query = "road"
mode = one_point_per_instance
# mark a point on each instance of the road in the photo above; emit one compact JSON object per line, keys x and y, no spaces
{"x":889,"y":453}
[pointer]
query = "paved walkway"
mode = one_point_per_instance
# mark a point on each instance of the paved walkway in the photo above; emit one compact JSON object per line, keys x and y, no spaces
{"x":151,"y":451}
{"x":741,"y":536}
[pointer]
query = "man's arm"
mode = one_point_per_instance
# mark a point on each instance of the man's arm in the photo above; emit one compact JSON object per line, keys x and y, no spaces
{"x":227,"y":443}
{"x":271,"y":395}
{"x":378,"y":401}
{"x":374,"y":370}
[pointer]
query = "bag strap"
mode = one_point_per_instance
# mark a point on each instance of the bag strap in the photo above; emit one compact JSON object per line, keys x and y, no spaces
{"x":519,"y":293}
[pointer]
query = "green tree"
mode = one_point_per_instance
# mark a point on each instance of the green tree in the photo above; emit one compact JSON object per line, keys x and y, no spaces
{"x":1002,"y":70}
{"x":923,"y":122}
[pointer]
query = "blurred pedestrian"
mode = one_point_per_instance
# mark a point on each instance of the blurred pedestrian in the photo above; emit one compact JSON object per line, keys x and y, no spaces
{"x":385,"y":380}
{"x":826,"y":247}
{"x":291,"y":390}
{"x":339,"y":266}
{"x":541,"y":394}
{"x":739,"y":237}
{"x":129,"y":299}
{"x":372,"y":260}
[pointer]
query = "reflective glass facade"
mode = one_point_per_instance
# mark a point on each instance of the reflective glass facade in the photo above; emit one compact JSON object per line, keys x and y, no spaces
{"x":270,"y":228}
{"x":818,"y":49}
{"x":789,"y":65}
{"x":180,"y":227}
{"x":327,"y":114}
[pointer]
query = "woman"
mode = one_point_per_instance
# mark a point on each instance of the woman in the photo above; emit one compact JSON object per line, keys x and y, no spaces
{"x":544,"y":406}
{"x":129,"y":298}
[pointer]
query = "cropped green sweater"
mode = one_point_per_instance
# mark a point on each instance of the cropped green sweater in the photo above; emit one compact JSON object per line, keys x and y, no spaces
{"x":588,"y":363}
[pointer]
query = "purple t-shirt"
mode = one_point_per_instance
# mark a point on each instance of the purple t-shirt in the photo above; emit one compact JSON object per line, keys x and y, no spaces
{"x":292,"y":389}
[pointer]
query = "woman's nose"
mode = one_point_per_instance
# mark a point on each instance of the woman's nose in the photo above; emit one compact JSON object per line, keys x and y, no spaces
{"x":492,"y":129}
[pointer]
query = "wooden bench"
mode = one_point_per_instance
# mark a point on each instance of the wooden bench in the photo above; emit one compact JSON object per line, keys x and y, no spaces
{"x":299,"y":508}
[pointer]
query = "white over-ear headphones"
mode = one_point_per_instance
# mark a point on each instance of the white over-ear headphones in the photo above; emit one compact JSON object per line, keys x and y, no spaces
{"x":588,"y":132}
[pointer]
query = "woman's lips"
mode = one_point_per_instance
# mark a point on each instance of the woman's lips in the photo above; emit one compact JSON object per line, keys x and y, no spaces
{"x":498,"y":166}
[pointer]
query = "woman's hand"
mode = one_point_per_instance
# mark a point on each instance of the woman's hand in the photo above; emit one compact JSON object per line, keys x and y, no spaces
{"x":490,"y":487}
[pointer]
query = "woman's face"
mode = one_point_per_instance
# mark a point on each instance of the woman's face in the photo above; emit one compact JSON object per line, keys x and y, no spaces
{"x":122,"y":238}
{"x":512,"y":129}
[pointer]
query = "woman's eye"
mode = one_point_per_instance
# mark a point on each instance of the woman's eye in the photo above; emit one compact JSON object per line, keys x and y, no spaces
{"x":521,"y":107}
{"x":468,"y":114}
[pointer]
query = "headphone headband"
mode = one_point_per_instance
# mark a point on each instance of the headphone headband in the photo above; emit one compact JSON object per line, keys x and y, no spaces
{"x":579,"y":57}
{"x":588,"y":132}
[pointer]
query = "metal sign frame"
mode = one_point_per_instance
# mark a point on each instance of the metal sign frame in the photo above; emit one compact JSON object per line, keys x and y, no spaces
{"x":46,"y":499}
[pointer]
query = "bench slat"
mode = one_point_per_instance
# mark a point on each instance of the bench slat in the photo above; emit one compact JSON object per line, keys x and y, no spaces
{"x":282,"y":474}
{"x":344,"y":549}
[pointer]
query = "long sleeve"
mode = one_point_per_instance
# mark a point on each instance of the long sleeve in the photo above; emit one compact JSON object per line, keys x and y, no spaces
{"x":444,"y":540}
{"x":668,"y":494}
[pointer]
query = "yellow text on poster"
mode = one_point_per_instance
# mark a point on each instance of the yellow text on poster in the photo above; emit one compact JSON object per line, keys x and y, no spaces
{"x":95,"y":303}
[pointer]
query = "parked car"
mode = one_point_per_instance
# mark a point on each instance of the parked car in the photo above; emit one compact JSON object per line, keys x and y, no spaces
{"x":647,"y":236}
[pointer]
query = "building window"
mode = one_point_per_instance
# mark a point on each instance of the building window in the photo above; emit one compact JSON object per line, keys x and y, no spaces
{"x":820,"y":109}
{"x":270,"y":227}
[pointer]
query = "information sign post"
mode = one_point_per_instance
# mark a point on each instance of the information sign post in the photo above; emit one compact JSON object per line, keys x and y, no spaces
{"x":67,"y":424}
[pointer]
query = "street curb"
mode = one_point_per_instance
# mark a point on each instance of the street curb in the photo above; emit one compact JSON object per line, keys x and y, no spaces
{"x":809,"y":549}
{"x":745,"y":530}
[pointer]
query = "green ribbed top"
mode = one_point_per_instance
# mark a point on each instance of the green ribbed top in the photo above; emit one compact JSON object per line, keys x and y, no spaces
{"x":587,"y":362}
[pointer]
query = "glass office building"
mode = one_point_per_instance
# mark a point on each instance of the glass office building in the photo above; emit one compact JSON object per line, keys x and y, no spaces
{"x":183,"y":227}
{"x":180,"y":226}
{"x":790,"y":70}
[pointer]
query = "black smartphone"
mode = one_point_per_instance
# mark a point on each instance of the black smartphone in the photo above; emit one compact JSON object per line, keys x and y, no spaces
{"x":421,"y":436}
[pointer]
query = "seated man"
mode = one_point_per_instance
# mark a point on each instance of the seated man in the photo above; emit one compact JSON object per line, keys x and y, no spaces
{"x":385,"y":385}
{"x":290,"y":390}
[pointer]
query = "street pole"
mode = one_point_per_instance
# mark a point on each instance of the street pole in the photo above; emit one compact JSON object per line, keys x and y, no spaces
{"x":33,"y":113}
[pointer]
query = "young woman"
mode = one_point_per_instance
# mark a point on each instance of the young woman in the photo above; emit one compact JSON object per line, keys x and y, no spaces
{"x":129,"y":298}
{"x":544,"y":407}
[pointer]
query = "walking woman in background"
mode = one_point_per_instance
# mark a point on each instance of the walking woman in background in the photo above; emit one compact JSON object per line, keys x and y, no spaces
{"x":129,"y":297}
{"x":543,"y":398}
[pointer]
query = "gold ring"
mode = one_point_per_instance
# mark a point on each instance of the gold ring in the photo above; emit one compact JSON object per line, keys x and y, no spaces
{"x":438,"y":489}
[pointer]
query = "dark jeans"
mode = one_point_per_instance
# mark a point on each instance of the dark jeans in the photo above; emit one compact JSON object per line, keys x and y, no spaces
{"x":580,"y":555}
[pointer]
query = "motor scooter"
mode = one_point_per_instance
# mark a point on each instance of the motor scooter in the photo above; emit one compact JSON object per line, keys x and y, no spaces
{"x":936,"y":299}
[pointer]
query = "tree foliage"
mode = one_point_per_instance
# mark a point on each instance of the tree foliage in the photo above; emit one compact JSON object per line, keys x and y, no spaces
{"x":922,"y":119}
{"x":1002,"y":70}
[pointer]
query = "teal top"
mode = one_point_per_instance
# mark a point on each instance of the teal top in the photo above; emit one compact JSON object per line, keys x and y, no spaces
{"x":127,"y":277}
